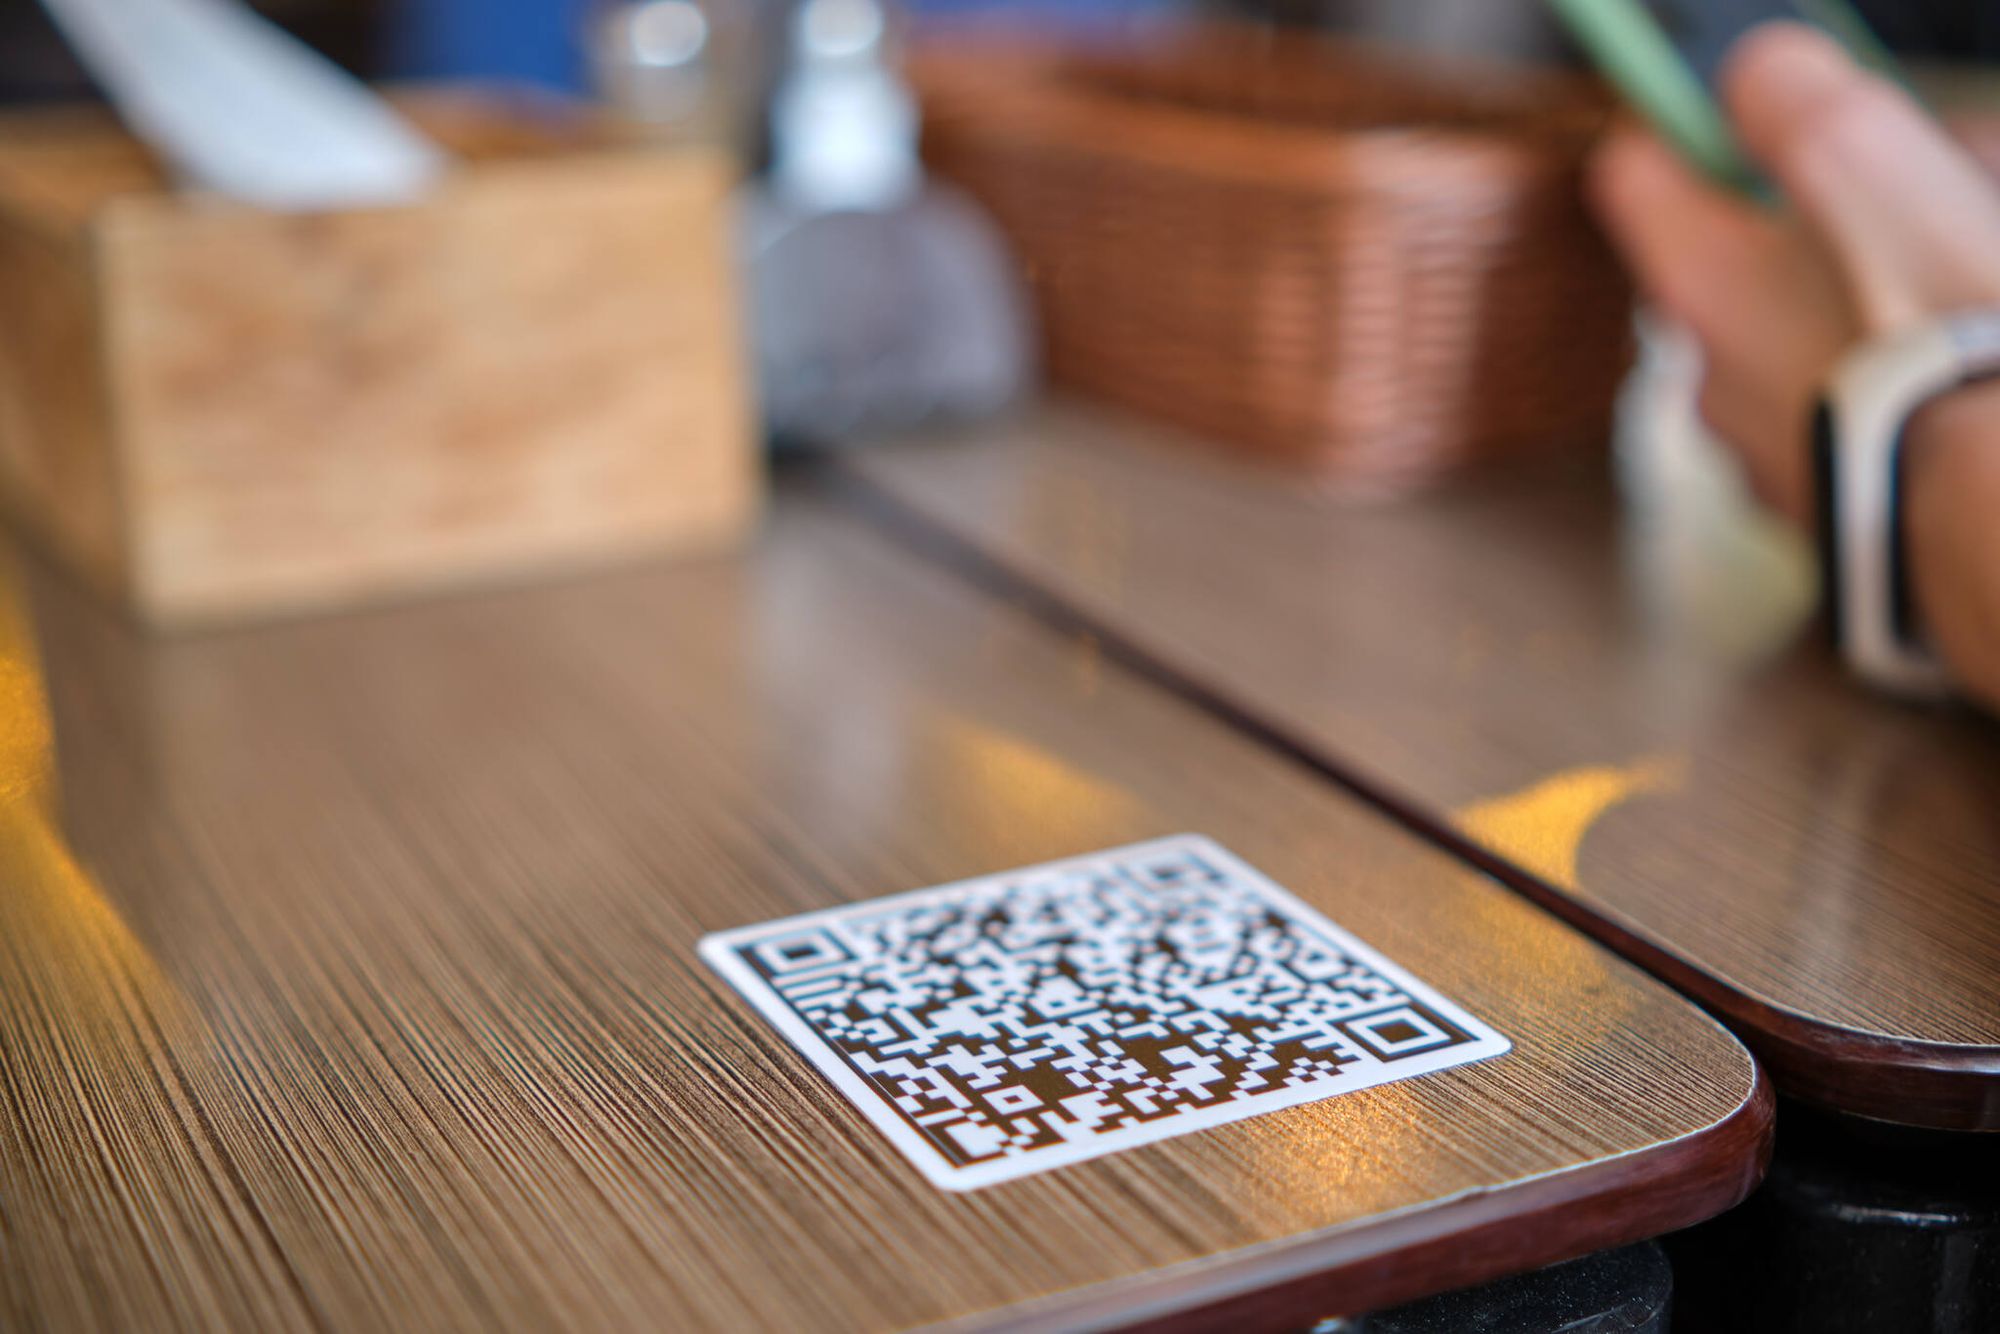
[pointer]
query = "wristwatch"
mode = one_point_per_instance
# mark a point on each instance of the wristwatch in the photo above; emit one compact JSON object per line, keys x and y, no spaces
{"x":1857,"y":451}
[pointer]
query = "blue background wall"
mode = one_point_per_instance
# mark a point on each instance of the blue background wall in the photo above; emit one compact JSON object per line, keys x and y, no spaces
{"x":537,"y":40}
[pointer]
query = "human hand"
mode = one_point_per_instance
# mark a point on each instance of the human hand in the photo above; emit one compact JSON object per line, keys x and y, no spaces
{"x":1887,"y":222}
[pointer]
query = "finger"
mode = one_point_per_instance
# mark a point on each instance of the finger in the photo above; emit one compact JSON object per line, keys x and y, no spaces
{"x":1979,"y":136}
{"x":1906,"y":211}
{"x":1709,"y":259}
{"x":1757,"y":293}
{"x":1683,"y":238}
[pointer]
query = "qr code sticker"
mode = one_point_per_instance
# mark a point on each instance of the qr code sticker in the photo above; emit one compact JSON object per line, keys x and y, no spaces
{"x":1028,"y":1020}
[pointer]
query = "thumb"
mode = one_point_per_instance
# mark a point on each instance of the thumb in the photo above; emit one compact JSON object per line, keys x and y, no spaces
{"x":1908,"y":215}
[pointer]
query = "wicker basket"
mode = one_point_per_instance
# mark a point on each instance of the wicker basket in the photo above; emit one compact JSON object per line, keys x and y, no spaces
{"x":1375,"y":269}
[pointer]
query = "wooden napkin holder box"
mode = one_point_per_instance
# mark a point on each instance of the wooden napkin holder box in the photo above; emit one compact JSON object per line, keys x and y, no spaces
{"x":217,"y":412}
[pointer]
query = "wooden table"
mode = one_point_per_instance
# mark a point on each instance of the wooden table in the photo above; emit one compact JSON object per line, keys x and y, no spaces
{"x":1628,"y":718}
{"x":356,"y":987}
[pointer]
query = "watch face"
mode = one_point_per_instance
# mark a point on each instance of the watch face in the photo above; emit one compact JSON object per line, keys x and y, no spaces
{"x":1826,"y":522}
{"x":1902,"y":602}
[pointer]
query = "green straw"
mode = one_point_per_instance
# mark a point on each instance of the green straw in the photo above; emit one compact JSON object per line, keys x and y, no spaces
{"x":1632,"y":49}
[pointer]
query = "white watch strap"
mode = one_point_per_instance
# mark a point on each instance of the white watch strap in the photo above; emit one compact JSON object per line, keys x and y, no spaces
{"x":1873,"y":393}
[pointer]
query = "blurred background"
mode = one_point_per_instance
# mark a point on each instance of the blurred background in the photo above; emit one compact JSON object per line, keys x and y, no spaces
{"x":543,"y":41}
{"x":918,"y":212}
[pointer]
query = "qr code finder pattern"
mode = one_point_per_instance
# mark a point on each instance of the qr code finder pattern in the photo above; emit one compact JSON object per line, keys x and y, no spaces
{"x":1050,"y":1008}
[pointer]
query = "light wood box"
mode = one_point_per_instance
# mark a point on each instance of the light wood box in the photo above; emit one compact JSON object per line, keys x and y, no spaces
{"x":215,"y":412}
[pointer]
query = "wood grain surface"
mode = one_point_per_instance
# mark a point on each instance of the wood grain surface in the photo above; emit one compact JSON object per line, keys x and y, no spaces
{"x":1630,"y":714}
{"x":355,"y":988}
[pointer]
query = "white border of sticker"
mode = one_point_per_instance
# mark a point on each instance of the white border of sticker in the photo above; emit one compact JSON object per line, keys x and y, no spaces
{"x":720,"y":951}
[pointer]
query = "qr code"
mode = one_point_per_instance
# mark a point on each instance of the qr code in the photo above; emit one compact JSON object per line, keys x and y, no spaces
{"x":1028,"y":1020}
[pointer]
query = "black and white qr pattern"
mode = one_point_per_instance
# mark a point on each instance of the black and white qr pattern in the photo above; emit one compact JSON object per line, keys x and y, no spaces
{"x":1041,"y":1017}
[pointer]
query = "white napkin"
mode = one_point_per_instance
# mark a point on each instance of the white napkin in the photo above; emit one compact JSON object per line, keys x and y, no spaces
{"x":238,"y":106}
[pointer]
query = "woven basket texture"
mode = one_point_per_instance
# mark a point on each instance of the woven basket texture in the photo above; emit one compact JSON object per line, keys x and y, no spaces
{"x":1373,"y":267}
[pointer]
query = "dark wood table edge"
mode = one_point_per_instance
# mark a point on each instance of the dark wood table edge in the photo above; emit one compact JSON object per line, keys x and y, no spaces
{"x":1458,"y":1243}
{"x":1905,"y":1081}
{"x":1932,"y":1085}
